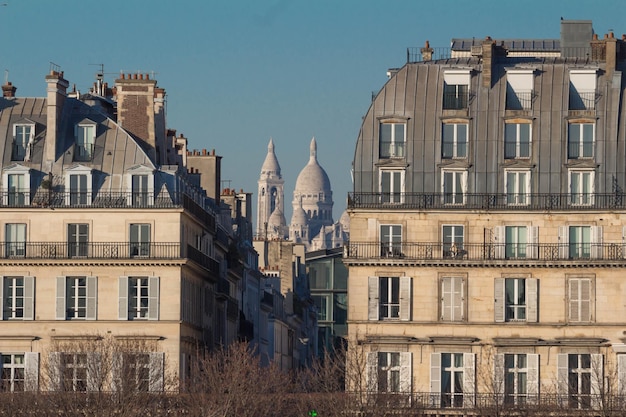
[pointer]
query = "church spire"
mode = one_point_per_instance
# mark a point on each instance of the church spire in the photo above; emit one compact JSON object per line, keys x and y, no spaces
{"x":313,"y":148}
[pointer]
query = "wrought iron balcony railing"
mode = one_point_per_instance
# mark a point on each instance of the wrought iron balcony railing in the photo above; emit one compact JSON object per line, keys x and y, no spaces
{"x":460,"y":201}
{"x":442,"y":251}
{"x":90,"y":250}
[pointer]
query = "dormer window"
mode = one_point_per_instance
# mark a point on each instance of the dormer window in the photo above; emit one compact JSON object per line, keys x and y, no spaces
{"x":16,"y":182}
{"x":582,"y":89}
{"x":456,"y":89}
{"x":392,"y":138}
{"x":78,"y":181}
{"x":519,"y":89}
{"x":23,"y":134}
{"x":85,"y":139}
{"x":140,"y":186}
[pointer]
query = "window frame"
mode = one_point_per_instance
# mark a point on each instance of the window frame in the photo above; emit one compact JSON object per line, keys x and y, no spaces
{"x":78,"y":240}
{"x":15,"y":237}
{"x":456,"y":83}
{"x":26,"y":140}
{"x":404,"y":301}
{"x":502,"y":304}
{"x":27,"y":298}
{"x":390,"y":238}
{"x":140,"y":238}
{"x":464,"y":397}
{"x":66,"y":285}
{"x":517,"y":198}
{"x":459,"y":179}
{"x":453,"y":241}
{"x":580,"y":292}
{"x":16,"y":195}
{"x":396,"y":147}
{"x":126,"y":300}
{"x":85,"y":133}
{"x":395,"y":194}
{"x":582,"y":394}
{"x":452,"y":295}
{"x":404,"y":370}
{"x":458,"y":146}
{"x":584,"y":148}
{"x":578,"y":197}
{"x":515,"y":140}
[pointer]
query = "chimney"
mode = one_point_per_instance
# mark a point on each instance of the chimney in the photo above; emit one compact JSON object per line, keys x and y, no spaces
{"x":611,"y":55}
{"x":487,"y":45}
{"x":57,"y":92}
{"x":8,"y":90}
{"x":427,"y":52}
{"x":136,"y":109}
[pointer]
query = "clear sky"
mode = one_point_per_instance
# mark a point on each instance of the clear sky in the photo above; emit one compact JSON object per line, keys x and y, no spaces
{"x":238,"y":73}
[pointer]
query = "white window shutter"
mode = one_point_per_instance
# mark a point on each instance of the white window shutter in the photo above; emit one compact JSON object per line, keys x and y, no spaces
{"x":405,"y":298}
{"x":373,"y":292}
{"x":1,"y":302}
{"x":406,"y":366}
{"x":92,"y":298}
{"x":29,"y":298}
{"x":499,"y":238}
{"x":532,"y":249}
{"x":56,"y":373}
{"x":621,"y":375}
{"x":153,"y":298}
{"x":458,"y":298}
{"x":562,"y":383}
{"x":117,"y":366}
{"x":499,"y":297}
{"x":597,"y":379}
{"x":157,"y":371}
{"x":371,"y":377}
{"x":499,"y":377}
{"x":624,"y":242}
{"x":469,"y":379}
{"x":122,"y":310}
{"x":563,"y":242}
{"x":435,"y":380}
{"x":94,"y":372}
{"x":31,"y":371}
{"x":597,"y":250}
{"x":446,"y":298}
{"x":532,"y":378}
{"x":586,"y":302}
{"x":61,"y":308}
{"x":532,"y":301}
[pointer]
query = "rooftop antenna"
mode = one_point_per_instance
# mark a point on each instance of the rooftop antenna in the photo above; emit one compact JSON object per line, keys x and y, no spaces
{"x":54,"y":67}
{"x":6,"y":76}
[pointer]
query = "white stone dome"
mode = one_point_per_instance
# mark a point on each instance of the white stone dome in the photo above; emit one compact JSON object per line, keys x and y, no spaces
{"x":270,"y":167}
{"x":299,"y":217}
{"x":313,"y":179}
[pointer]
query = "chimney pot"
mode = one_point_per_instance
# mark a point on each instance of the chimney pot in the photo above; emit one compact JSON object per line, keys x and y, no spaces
{"x":203,"y":151}
{"x":147,"y":76}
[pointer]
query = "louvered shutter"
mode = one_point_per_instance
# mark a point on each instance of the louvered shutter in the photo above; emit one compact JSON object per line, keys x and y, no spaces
{"x":499,"y":300}
{"x":92,"y":298}
{"x":122,"y":310}
{"x":405,"y":298}
{"x":621,"y":375}
{"x":157,"y":370}
{"x":531,"y":300}
{"x":563,"y":242}
{"x":29,"y":298}
{"x":54,"y":364}
{"x":499,"y":239}
{"x":562,"y":383}
{"x":532,"y":249}
{"x":597,"y":379}
{"x":1,"y":301}
{"x":469,"y":379}
{"x":31,"y":371}
{"x":94,"y":372}
{"x":117,"y":366}
{"x":153,"y":298}
{"x":597,"y":251}
{"x":446,"y":298}
{"x":61,"y":308}
{"x":499,"y":377}
{"x":532,"y":378}
{"x":372,"y":372}
{"x":435,"y":380}
{"x":406,"y":367}
{"x":373,"y":309}
{"x":585,"y":300}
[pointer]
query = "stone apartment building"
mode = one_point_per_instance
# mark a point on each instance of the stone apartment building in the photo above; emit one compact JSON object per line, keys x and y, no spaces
{"x":488,"y":225}
{"x":113,"y":233}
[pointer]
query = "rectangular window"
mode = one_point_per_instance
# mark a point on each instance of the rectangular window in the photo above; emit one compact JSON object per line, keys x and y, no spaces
{"x":140,"y":195}
{"x":454,"y":141}
{"x":517,"y":140}
{"x":392,"y":140}
{"x":388,"y":371}
{"x":582,"y":89}
{"x":15,"y":236}
{"x":78,"y":190}
{"x":516,"y":240}
{"x":322,"y":304}
{"x":454,"y":184}
{"x":580,"y":300}
{"x":453,"y":238}
{"x":392,"y":186}
{"x":138,"y":298}
{"x":12,"y":369}
{"x":519,"y":89}
{"x":452,"y":299}
{"x":76,"y":297}
{"x":452,"y":370}
{"x":581,"y":187}
{"x":139,"y":239}
{"x":13,"y":298}
{"x":389,"y":298}
{"x":455,"y":96}
{"x":580,"y":140}
{"x":137,"y":371}
{"x":85,"y":138}
{"x":517,"y":187}
{"x":579,"y":380}
{"x":579,"y":242}
{"x":77,"y":240}
{"x":17,"y":191}
{"x":515,"y":298}
{"x":74,"y":371}
{"x":23,"y":134}
{"x":391,"y":240}
{"x":515,"y":378}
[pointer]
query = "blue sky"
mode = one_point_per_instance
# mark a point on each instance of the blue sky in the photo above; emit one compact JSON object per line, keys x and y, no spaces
{"x":239,"y":72}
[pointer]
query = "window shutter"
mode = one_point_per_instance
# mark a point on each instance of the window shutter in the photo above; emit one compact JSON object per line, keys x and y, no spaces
{"x":153,"y":298}
{"x":435,"y":380}
{"x":499,"y":239}
{"x":373,"y":309}
{"x":405,"y":298}
{"x":563,"y":242}
{"x":532,"y":249}
{"x":623,"y":242}
{"x":92,"y":297}
{"x":597,"y":379}
{"x":372,"y":372}
{"x":122,"y":310}
{"x":532,"y":378}
{"x":597,"y":251}
{"x":157,"y":370}
{"x":499,"y":377}
{"x":54,"y":363}
{"x":469,"y":379}
{"x":94,"y":372}
{"x":61,"y":310}
{"x":117,"y":365}
{"x":532,"y":301}
{"x":585,"y":300}
{"x":406,"y":366}
{"x":29,"y":298}
{"x":499,"y":300}
{"x":458,"y":300}
{"x":562,"y":384}
{"x":621,"y":375}
{"x":446,"y":298}
{"x":1,"y":304}
{"x":574,"y":299}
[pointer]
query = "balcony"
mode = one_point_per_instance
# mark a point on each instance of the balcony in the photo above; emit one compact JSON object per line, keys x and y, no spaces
{"x":519,"y":100}
{"x":84,"y":152}
{"x":440,"y":252}
{"x":89,"y":250}
{"x":472,"y":201}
